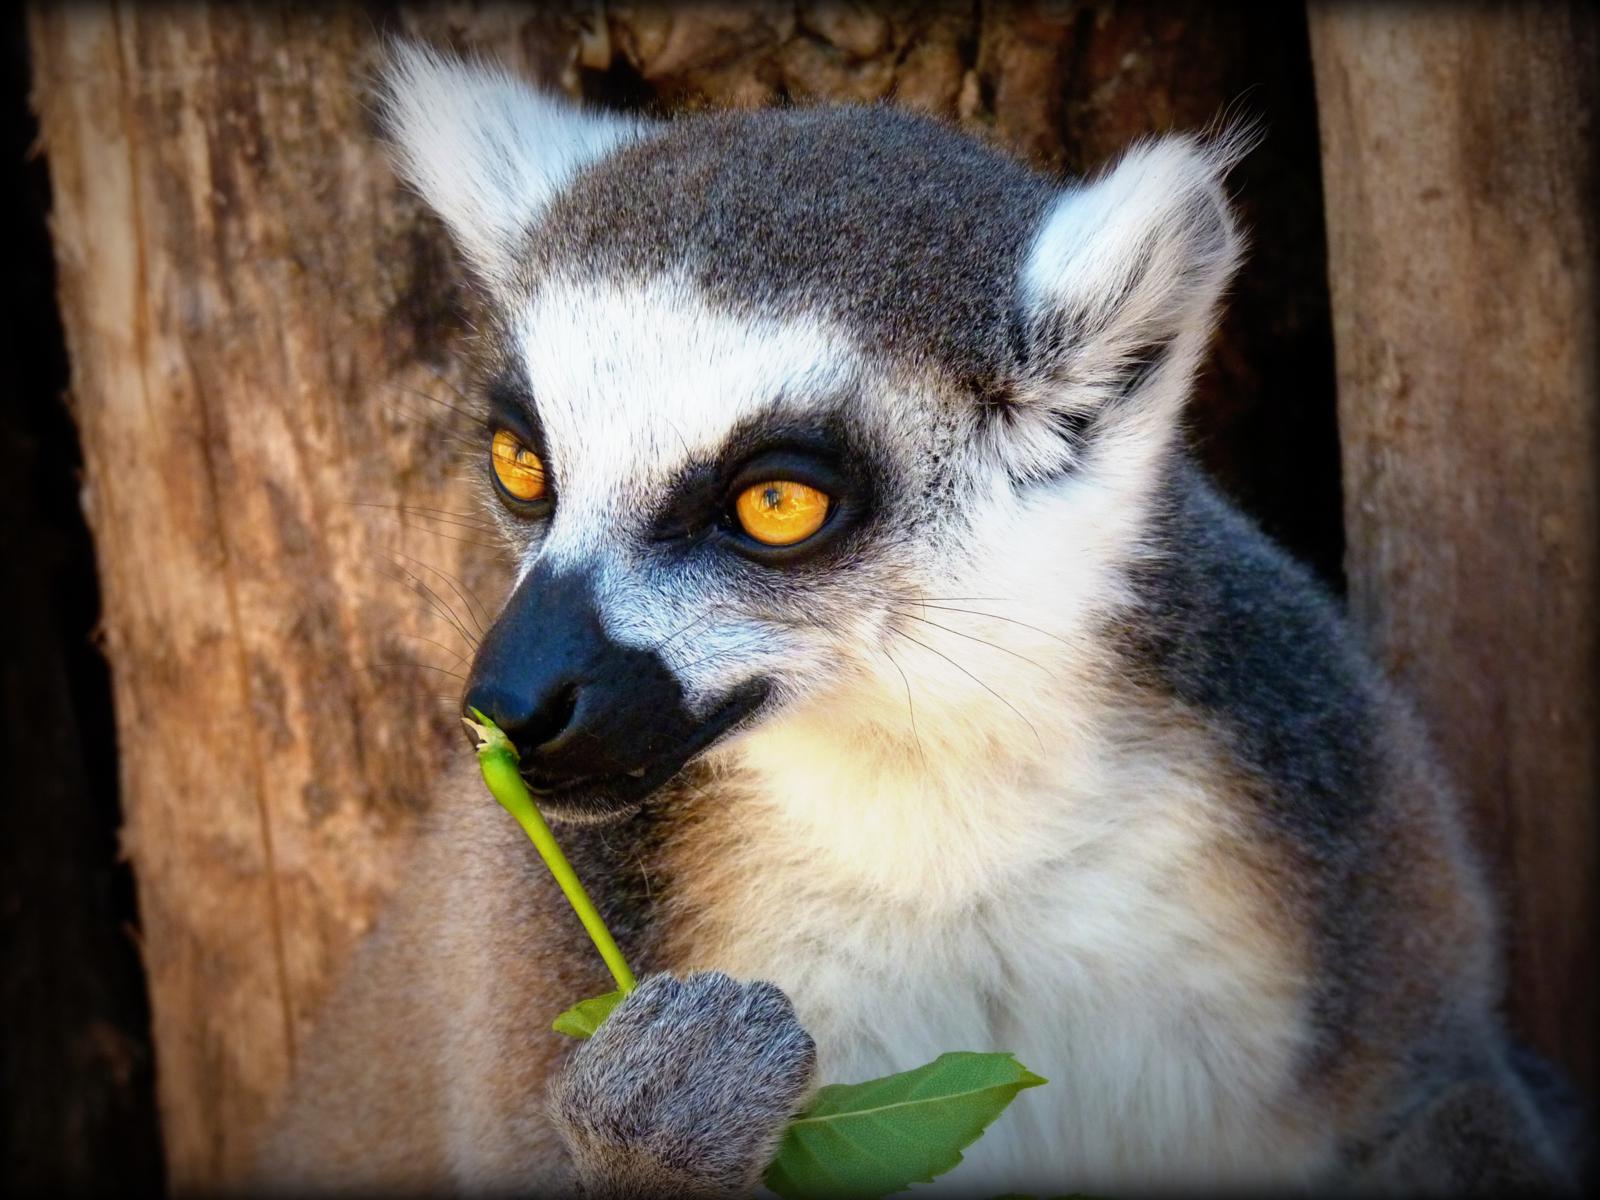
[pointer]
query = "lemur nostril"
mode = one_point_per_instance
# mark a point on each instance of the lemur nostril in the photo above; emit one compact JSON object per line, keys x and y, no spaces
{"x":529,"y":721}
{"x":559,"y":710}
{"x":541,"y":720}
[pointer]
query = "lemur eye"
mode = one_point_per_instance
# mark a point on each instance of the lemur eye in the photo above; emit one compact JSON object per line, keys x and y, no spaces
{"x":518,"y":470}
{"x":781,"y":512}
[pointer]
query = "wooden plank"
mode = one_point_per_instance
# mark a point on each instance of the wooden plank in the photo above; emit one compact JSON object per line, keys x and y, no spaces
{"x":1459,"y":166}
{"x":246,"y":296}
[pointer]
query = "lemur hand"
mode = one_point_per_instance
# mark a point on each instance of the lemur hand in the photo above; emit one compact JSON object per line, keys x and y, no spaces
{"x":685,"y":1090}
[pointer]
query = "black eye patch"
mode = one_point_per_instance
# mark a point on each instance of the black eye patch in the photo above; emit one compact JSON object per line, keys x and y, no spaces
{"x":818,"y":455}
{"x":510,"y":406}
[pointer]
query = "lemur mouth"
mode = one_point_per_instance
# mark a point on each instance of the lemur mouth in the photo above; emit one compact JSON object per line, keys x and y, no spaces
{"x":598,"y":798}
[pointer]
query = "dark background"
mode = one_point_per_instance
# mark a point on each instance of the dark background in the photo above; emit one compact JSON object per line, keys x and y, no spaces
{"x":76,"y":1074}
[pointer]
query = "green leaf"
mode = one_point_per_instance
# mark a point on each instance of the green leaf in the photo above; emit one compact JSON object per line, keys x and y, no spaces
{"x":864,"y":1140}
{"x":584,"y":1017}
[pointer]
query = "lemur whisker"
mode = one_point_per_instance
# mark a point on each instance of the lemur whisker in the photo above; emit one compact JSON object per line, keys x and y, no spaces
{"x":449,"y":537}
{"x":997,"y":617}
{"x":724,"y":652}
{"x":437,"y":602}
{"x":487,"y":525}
{"x":682,"y":441}
{"x":451,"y":426}
{"x":683,"y":629}
{"x":709,"y":658}
{"x":468,"y":410}
{"x":424,"y":512}
{"x":457,"y":657}
{"x":432,"y":609}
{"x":447,"y":523}
{"x":644,"y":874}
{"x":475,"y":411}
{"x":410,"y":666}
{"x":975,"y":638}
{"x":911,"y":711}
{"x":443,"y":608}
{"x":751,"y":636}
{"x":977,"y":681}
{"x":474,"y":613}
{"x":454,"y":447}
{"x":435,"y":426}
{"x":444,"y":530}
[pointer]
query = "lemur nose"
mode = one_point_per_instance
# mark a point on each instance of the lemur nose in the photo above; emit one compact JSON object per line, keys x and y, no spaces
{"x":577,"y":704}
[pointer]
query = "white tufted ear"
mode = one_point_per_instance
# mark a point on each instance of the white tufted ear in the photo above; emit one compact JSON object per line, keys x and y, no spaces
{"x":1120,"y":288}
{"x":485,"y":150}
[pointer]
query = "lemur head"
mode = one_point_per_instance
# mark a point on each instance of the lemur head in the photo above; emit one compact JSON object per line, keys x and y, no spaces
{"x":781,"y":406}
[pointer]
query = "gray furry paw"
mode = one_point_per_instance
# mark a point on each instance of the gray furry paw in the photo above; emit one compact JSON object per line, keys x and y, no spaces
{"x":686,"y":1088}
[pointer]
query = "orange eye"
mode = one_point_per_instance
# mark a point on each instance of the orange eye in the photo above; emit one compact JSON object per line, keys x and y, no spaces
{"x":781,"y":512}
{"x":517,"y":468}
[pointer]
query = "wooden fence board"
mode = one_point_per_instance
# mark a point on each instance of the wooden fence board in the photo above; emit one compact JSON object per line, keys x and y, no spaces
{"x":1459,"y":167}
{"x":244,"y":299}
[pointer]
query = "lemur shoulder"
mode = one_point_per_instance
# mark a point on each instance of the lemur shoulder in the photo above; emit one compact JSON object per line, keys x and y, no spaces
{"x":898,"y":686}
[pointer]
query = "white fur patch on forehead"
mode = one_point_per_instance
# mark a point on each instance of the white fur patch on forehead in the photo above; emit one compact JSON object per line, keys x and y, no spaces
{"x":631,"y":381}
{"x":485,"y":150}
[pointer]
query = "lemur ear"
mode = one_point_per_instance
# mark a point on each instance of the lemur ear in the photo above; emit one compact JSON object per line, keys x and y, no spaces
{"x":484,"y":149}
{"x":1119,"y":290}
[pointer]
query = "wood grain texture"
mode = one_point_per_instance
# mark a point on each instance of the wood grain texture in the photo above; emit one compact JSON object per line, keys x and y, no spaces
{"x":1459,"y":159}
{"x":249,"y":309}
{"x":264,"y":330}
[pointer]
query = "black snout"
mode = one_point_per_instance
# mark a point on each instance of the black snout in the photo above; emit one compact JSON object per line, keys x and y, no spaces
{"x":584,"y":711}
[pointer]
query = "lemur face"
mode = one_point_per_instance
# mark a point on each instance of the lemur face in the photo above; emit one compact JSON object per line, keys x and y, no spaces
{"x":730,"y":515}
{"x":764,"y":387}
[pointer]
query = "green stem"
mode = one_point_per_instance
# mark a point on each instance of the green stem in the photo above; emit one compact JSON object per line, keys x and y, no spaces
{"x":497,"y":759}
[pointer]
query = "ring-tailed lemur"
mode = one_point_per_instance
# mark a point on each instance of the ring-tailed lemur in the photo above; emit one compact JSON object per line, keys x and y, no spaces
{"x":873,"y":638}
